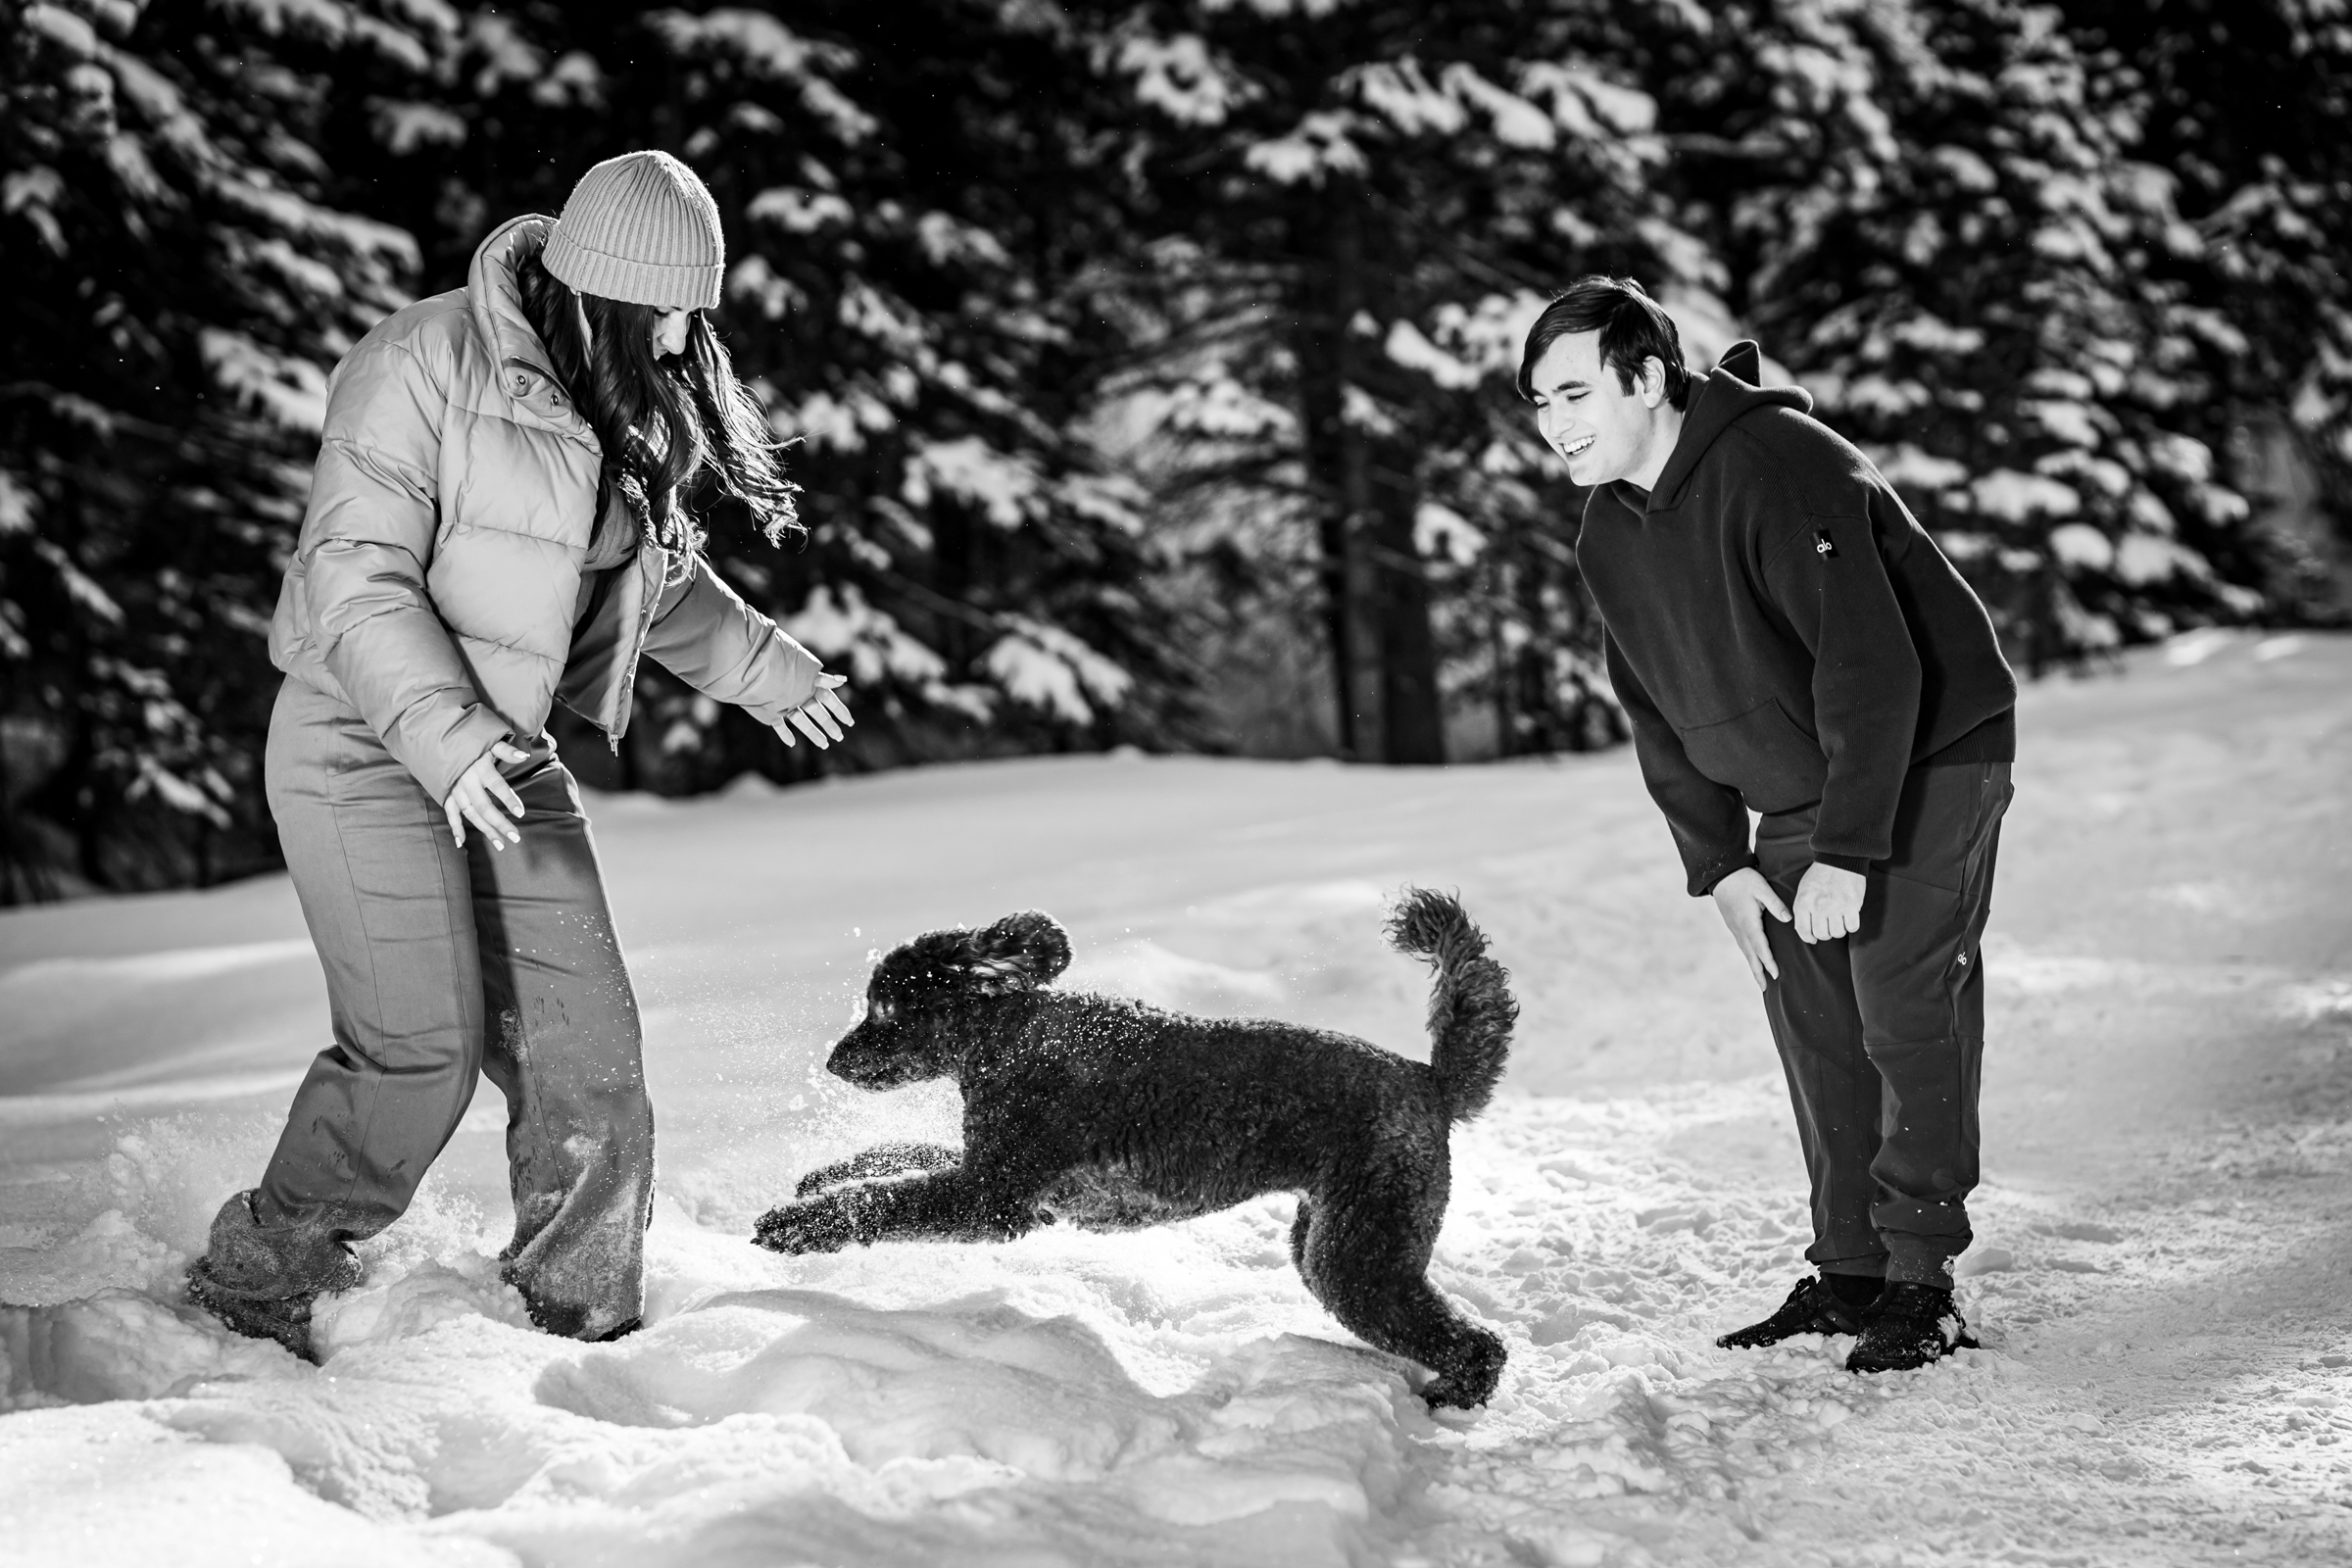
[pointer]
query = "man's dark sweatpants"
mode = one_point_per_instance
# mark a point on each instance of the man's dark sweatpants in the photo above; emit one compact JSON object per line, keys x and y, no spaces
{"x":444,"y":965}
{"x":1882,"y":1032}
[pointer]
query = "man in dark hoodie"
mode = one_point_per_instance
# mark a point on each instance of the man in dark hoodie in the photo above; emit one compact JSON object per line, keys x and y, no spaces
{"x":1787,"y":640}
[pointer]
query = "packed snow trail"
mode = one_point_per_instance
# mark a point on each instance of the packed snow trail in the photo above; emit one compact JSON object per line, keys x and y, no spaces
{"x":2163,"y":1272}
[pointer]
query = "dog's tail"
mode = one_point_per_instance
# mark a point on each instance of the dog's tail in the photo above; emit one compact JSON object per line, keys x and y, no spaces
{"x":1470,"y":1008}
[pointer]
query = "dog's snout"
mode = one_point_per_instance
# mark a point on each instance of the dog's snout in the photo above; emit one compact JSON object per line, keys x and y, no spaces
{"x":843,"y":1063}
{"x":856,"y":1059}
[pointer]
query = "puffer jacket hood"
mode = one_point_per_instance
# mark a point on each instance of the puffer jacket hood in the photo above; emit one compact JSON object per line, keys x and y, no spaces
{"x":438,"y":572}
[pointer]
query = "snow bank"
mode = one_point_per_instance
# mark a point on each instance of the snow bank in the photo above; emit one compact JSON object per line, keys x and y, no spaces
{"x":121,"y":1344}
{"x":1170,"y":1397}
{"x":2161,"y":1273}
{"x":1072,"y":1397}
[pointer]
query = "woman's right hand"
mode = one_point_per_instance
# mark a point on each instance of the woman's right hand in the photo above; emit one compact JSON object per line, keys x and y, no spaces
{"x":479,"y":794}
{"x":822,"y":717}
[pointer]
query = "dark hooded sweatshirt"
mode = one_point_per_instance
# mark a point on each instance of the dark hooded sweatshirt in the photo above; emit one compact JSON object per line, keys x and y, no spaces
{"x":1781,"y":632}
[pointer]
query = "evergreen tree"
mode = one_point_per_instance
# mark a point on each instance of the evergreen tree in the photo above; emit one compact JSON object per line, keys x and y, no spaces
{"x":1352,"y":214}
{"x":1150,"y":360}
{"x":1934,"y":212}
{"x":2247,"y":106}
{"x":916,"y":194}
{"x":179,"y":293}
{"x":903,"y":196}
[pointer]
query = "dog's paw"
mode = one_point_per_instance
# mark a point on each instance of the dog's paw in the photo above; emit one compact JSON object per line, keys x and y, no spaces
{"x":802,"y":1228}
{"x":883,"y":1160}
{"x":1472,"y":1378}
{"x":1453,"y":1393}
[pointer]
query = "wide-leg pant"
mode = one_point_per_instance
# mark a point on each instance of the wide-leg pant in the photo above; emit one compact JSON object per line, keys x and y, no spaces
{"x":441,"y":965}
{"x":1882,"y":1034}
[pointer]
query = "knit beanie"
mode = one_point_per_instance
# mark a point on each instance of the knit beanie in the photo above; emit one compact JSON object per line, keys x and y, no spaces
{"x":641,"y":228}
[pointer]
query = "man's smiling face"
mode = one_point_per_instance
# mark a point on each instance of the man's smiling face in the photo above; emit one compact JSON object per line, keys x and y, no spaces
{"x":1601,"y":430}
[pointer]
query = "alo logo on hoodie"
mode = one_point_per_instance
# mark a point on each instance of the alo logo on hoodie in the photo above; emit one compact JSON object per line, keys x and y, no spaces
{"x":1823,"y":545}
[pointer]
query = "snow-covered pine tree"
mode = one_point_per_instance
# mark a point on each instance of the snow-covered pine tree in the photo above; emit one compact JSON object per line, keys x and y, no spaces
{"x":904,"y":192}
{"x":914,"y":194}
{"x":2247,"y":104}
{"x":1352,"y":212}
{"x":179,"y":293}
{"x":1933,"y":212}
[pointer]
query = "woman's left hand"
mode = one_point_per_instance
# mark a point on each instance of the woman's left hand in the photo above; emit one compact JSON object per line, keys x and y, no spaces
{"x":822,"y":717}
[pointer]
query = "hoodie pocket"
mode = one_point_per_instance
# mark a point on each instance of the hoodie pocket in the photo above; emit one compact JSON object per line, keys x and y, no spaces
{"x":1761,"y":752}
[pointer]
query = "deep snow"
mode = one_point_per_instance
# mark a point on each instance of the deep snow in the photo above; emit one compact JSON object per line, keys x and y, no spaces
{"x":2163,"y":1275}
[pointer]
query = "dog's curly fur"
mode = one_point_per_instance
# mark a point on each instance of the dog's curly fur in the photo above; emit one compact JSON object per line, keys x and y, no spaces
{"x":1109,"y":1114}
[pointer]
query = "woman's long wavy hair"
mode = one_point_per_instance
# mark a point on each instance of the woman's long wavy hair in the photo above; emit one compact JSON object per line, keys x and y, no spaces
{"x":665,"y":423}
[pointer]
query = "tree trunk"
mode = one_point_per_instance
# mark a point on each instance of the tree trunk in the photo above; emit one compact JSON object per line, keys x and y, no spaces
{"x":1364,"y":686}
{"x":1335,"y":462}
{"x":1413,"y":729}
{"x":1384,"y":654}
{"x":1338,"y":624}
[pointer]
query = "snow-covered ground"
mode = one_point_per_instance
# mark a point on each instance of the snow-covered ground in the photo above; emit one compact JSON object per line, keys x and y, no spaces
{"x":2163,"y":1275}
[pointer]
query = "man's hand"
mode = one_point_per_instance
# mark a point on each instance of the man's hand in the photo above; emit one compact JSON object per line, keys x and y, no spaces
{"x":1829,"y":903}
{"x":1743,"y":898}
{"x":822,"y":717}
{"x":479,"y":794}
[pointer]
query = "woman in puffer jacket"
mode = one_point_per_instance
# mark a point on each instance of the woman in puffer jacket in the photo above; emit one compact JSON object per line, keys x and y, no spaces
{"x":498,"y":521}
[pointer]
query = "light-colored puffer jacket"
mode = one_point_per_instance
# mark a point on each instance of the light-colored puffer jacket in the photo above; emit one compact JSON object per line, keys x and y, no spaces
{"x":438,"y":570}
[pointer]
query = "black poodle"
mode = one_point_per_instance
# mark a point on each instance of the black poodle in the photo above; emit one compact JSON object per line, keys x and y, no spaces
{"x":1110,"y":1115}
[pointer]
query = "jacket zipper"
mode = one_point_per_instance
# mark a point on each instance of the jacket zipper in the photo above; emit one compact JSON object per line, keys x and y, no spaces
{"x":625,"y":694}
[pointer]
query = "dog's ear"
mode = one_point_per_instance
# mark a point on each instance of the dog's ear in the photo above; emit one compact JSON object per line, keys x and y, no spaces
{"x":934,"y":958}
{"x":1020,"y":953}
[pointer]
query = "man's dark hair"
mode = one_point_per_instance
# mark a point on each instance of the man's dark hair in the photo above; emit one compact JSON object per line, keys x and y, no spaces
{"x":1633,"y":328}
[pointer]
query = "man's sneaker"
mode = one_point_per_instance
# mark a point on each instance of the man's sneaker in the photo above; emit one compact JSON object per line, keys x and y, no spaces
{"x":1812,"y":1307}
{"x":283,"y":1319}
{"x":1911,"y":1326}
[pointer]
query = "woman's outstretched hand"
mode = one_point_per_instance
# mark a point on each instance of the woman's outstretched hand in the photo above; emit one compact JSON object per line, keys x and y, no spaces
{"x":479,"y":794}
{"x":822,"y":717}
